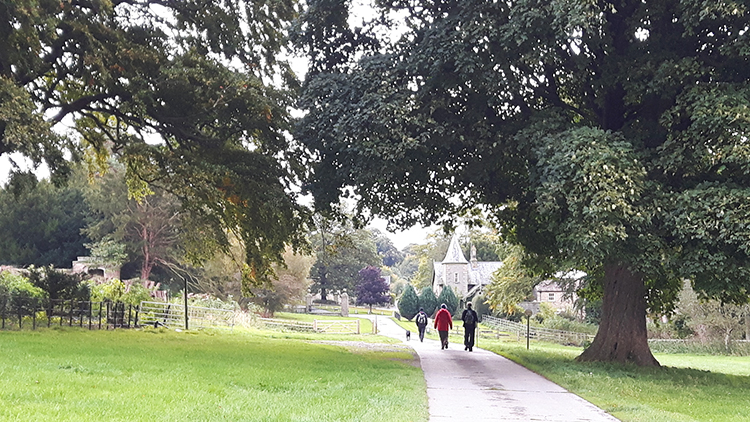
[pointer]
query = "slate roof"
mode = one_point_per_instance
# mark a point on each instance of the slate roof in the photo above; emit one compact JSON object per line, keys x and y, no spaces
{"x":454,"y":255}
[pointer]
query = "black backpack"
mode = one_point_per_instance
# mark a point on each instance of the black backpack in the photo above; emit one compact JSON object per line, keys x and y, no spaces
{"x":469,"y":317}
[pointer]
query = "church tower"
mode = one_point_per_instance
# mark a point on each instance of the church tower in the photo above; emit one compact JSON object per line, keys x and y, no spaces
{"x":455,"y":268}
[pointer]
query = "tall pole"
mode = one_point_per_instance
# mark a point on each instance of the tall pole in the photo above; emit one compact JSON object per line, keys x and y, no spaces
{"x":186,"y":305}
{"x":528,"y":327}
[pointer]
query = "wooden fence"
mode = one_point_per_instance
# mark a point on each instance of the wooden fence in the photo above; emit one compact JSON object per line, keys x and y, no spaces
{"x":536,"y":333}
{"x":336,"y":326}
{"x":317,"y":326}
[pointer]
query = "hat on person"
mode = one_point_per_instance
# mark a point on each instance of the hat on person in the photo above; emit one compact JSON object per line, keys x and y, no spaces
{"x":421,"y":309}
{"x":468,"y":305}
{"x":443,"y":306}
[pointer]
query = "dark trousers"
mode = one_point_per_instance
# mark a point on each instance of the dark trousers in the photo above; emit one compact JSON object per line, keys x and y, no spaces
{"x":469,"y":335}
{"x":443,"y":338}
{"x":421,"y":329}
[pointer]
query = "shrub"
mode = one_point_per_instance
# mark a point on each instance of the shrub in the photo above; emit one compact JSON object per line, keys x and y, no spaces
{"x":448,"y":297}
{"x":428,"y":300}
{"x":481,"y":306}
{"x":116,"y":291}
{"x":21,"y":292}
{"x":408,"y":305}
{"x":564,"y":324}
{"x":58,"y":284}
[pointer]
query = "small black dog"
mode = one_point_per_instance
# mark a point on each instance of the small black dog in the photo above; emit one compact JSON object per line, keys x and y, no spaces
{"x":408,"y":335}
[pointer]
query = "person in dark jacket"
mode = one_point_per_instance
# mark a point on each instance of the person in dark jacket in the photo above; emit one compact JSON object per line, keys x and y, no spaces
{"x":421,"y":320}
{"x":443,"y":323}
{"x":470,"y":319}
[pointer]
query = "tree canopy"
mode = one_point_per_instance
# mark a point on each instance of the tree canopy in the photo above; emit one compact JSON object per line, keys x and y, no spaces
{"x":606,"y":136}
{"x":341,"y":251}
{"x":189,"y":94}
{"x":372,"y":289}
{"x":42,"y":226}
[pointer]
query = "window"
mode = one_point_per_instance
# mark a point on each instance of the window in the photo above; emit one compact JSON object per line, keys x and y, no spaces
{"x":551,"y":297}
{"x":455,"y":279}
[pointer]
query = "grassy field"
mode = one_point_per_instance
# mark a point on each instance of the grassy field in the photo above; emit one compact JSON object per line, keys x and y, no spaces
{"x":365,"y":325}
{"x":686,"y":388}
{"x":157,"y":375}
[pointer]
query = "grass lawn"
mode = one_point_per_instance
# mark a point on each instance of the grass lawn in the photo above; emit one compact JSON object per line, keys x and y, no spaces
{"x":156,"y":375}
{"x":365,"y":325}
{"x":686,"y":388}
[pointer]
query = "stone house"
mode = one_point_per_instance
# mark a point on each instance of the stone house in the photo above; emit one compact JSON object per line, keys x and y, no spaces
{"x":466,"y":277}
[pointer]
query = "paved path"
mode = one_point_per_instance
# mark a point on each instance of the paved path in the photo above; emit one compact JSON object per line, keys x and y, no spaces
{"x":483,"y":386}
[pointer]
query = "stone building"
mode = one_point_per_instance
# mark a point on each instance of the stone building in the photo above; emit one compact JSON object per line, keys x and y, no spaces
{"x":466,"y":277}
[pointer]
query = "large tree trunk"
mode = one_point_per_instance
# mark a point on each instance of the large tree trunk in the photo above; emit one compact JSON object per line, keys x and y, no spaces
{"x":622,"y":335}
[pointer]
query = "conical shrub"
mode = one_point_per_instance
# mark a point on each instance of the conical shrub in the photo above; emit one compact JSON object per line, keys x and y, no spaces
{"x":408,"y":304}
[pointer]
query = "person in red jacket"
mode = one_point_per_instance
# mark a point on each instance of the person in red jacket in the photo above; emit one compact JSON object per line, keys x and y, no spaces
{"x":443,"y":323}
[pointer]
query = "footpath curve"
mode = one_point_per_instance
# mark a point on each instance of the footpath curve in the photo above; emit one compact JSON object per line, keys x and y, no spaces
{"x":483,"y":386}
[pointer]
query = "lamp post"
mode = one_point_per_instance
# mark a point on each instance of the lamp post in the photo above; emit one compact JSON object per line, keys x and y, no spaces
{"x":528,"y":326}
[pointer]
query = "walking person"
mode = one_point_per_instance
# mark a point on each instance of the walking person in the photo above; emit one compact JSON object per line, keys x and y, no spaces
{"x":470,"y":319}
{"x":443,"y":323}
{"x":421,"y":321}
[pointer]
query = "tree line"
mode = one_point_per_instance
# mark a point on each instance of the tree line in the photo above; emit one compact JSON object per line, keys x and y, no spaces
{"x":606,"y":137}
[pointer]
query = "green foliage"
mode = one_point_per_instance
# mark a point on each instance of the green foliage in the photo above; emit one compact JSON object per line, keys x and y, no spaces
{"x":340,"y":251}
{"x":511,"y":284}
{"x":599,"y":135}
{"x":556,"y":322}
{"x":409,"y":265}
{"x":19,"y":288}
{"x":59,"y":284}
{"x":480,"y":305}
{"x":711,"y":320}
{"x":448,"y":297}
{"x":434,"y":250}
{"x":107,"y":252}
{"x":390,"y":255}
{"x":408,"y":303}
{"x":116,"y":291}
{"x":428,"y":300}
{"x":42,"y":225}
{"x":488,"y":246}
{"x":190,"y":95}
{"x":289,"y":285}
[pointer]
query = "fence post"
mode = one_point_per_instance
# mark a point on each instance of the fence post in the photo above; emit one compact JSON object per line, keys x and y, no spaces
{"x":33,"y":317}
{"x":106,"y":320}
{"x":5,"y":300}
{"x":100,"y":315}
{"x":130,"y":313}
{"x":90,"y":305}
{"x":70,"y":314}
{"x":357,"y":326}
{"x":80,"y":314}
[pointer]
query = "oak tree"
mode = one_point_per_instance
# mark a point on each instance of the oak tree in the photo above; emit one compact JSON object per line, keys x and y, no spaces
{"x":607,"y":136}
{"x":190,"y":94}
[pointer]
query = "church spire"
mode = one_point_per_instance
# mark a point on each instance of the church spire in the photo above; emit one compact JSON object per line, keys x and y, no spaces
{"x":455,"y":255}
